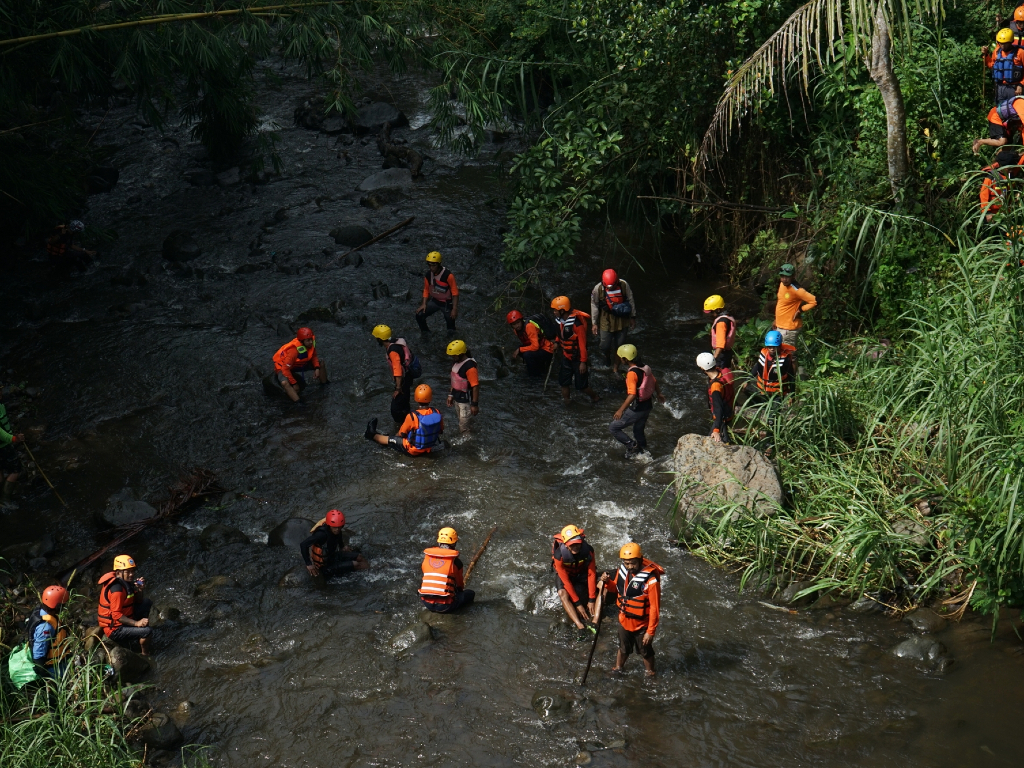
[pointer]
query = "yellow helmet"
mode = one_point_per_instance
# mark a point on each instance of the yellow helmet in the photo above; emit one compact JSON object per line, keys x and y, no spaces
{"x":382,"y":332}
{"x":711,"y":303}
{"x":627,"y":351}
{"x":571,"y":532}
{"x":123,"y":563}
{"x":434,"y":257}
{"x":630,"y":551}
{"x":447,"y":536}
{"x":457,"y":347}
{"x":1004,"y":35}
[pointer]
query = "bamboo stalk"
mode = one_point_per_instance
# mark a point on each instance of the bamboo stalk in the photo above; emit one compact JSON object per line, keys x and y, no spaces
{"x":476,"y":557}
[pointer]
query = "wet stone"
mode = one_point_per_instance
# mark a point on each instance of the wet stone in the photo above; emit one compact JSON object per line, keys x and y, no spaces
{"x":290,"y":533}
{"x":371,"y":118}
{"x":124,"y":509}
{"x":413,"y":635}
{"x":128,"y":665}
{"x":180,"y":246}
{"x":200,"y":177}
{"x":296,"y":577}
{"x":392,"y":177}
{"x":229,"y":177}
{"x":161,"y":732}
{"x":351,"y":235}
{"x":352,"y":260}
{"x":42,"y":548}
{"x":925,"y":621}
{"x":866,"y":605}
{"x":214,"y":584}
{"x":219,"y":535}
{"x":921,"y":650}
{"x":788,"y":596}
{"x":550,"y":703}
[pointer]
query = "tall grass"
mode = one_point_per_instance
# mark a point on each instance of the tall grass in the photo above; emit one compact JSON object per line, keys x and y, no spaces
{"x":903,"y":473}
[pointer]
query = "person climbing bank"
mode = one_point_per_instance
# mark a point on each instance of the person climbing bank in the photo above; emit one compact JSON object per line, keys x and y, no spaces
{"x":534,"y":346}
{"x":465,"y":384}
{"x":293,"y":360}
{"x":990,"y":195}
{"x":612,"y":313}
{"x":404,"y":367}
{"x":721,"y":396}
{"x":723,"y":330}
{"x":10,"y":461}
{"x":575,"y":566}
{"x":572,"y":338}
{"x":638,"y":594}
{"x":440,"y":294}
{"x":443,"y":588}
{"x":1006,"y":63}
{"x":325,"y":552}
{"x":792,"y":302}
{"x":421,"y":431}
{"x":123,"y":612}
{"x":47,"y":637}
{"x":774,"y":370}
{"x":1004,"y":122}
{"x":641,"y":387}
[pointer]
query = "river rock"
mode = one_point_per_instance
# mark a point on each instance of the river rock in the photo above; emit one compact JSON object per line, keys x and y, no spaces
{"x":161,"y":732}
{"x":290,"y":533}
{"x":736,"y":473}
{"x":124,"y":509}
{"x":550,"y":703}
{"x":42,"y":548}
{"x":129,"y":666}
{"x":916,"y":531}
{"x":788,"y":596}
{"x":371,"y":118}
{"x":229,"y":177}
{"x":352,"y":260}
{"x":214,"y":584}
{"x":925,"y":621}
{"x":181,"y":246}
{"x":392,"y":177}
{"x":219,"y":535}
{"x":101,"y":178}
{"x":921,"y":650}
{"x":334,"y":124}
{"x":375,"y":200}
{"x":415,"y":634}
{"x":351,"y":235}
{"x":296,"y":577}
{"x":200,"y":177}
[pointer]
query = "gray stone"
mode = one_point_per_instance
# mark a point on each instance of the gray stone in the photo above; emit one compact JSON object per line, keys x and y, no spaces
{"x":180,"y":246}
{"x":826,"y":601}
{"x":392,"y":177}
{"x":919,"y":650}
{"x":215,"y":584}
{"x":42,"y":548}
{"x":219,"y":535}
{"x":296,"y":577}
{"x":351,"y":235}
{"x":550,"y":703}
{"x":374,"y":200}
{"x":160,"y":732}
{"x":925,"y":621}
{"x":37,"y":563}
{"x":352,"y":260}
{"x":916,"y":531}
{"x":468,"y":288}
{"x":200,"y":177}
{"x":290,"y":533}
{"x":707,"y":469}
{"x":413,"y":635}
{"x":128,"y":665}
{"x":334,"y":125}
{"x":124,"y":509}
{"x":229,"y":177}
{"x":788,"y":596}
{"x":866,"y":605}
{"x":371,"y":118}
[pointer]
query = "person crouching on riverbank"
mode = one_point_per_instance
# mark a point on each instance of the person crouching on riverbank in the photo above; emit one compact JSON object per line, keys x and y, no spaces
{"x":575,"y":566}
{"x":123,"y":613}
{"x":639,"y":600}
{"x":293,"y":360}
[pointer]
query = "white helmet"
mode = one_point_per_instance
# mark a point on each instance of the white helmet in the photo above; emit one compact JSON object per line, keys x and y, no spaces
{"x":706,"y":361}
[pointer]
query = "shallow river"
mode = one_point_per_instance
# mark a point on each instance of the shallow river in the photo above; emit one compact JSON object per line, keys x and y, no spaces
{"x":139,"y":381}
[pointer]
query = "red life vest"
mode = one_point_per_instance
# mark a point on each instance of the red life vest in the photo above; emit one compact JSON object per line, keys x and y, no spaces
{"x":730,"y":335}
{"x":104,"y":612}
{"x":57,"y":246}
{"x":613,"y":295}
{"x":770,"y":377}
{"x":440,"y":289}
{"x":574,"y":565}
{"x":459,"y":382}
{"x":438,"y":585}
{"x":725,"y":388}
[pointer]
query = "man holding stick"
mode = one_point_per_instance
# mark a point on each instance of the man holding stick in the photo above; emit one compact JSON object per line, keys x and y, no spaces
{"x":639,"y":599}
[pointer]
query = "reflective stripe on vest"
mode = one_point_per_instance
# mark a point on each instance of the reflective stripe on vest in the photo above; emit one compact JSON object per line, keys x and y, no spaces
{"x":730,"y":334}
{"x":613,"y":296}
{"x":770,"y":378}
{"x":567,"y":334}
{"x":428,"y":427}
{"x":438,"y":572}
{"x":440,"y":289}
{"x":633,"y":593}
{"x":104,"y":614}
{"x":459,"y":382}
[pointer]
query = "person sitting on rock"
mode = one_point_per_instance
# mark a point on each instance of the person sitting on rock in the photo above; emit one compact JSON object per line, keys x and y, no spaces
{"x":326,"y":554}
{"x":420,"y":433}
{"x":123,"y":613}
{"x":440,"y":294}
{"x":10,"y":461}
{"x":293,"y":360}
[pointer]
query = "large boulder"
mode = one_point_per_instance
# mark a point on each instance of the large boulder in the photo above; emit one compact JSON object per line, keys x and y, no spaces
{"x":160,"y":732}
{"x":219,"y":535}
{"x":181,"y":246}
{"x":124,"y":509}
{"x":706,"y":468}
{"x":290,"y":533}
{"x":389,"y":179}
{"x":352,"y":235}
{"x":129,"y":666}
{"x":371,"y":118}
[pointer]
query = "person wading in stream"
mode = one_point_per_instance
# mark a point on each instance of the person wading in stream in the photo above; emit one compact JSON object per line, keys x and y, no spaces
{"x":404,"y":367}
{"x":443,"y":588}
{"x":792,"y":301}
{"x":572,"y":338}
{"x":326,"y":554}
{"x":574,"y":562}
{"x":440,"y":294}
{"x":612,"y":313}
{"x":641,"y":387}
{"x":721,"y":396}
{"x":123,"y":613}
{"x":293,"y":360}
{"x":534,"y":345}
{"x":639,"y":599}
{"x":421,"y":431}
{"x":10,"y":461}
{"x":723,"y":330}
{"x":465,"y":384}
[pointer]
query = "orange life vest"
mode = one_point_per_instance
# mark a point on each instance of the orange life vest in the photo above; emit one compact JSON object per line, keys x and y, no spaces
{"x":770,"y":377}
{"x":104,"y":613}
{"x":574,"y":565}
{"x":303,"y":355}
{"x":632,"y":590}
{"x":56,"y":246}
{"x":567,"y":332}
{"x":438,"y":568}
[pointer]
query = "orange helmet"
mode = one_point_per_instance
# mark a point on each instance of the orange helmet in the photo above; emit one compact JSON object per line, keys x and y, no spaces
{"x":304,"y":333}
{"x":561,"y":302}
{"x":1018,"y":15}
{"x":630,"y":551}
{"x":54,"y":597}
{"x":423,"y":393}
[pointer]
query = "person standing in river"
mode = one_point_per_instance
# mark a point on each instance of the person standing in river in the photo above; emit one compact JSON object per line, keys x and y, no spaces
{"x":443,"y":588}
{"x":404,"y":367}
{"x":465,"y":384}
{"x":575,"y":565}
{"x":123,"y":613}
{"x":293,"y":360}
{"x":612,"y":314}
{"x":440,"y":294}
{"x":792,"y":302}
{"x":10,"y":461}
{"x":638,"y":596}
{"x":572,"y":338}
{"x":325,"y":552}
{"x":641,"y":387}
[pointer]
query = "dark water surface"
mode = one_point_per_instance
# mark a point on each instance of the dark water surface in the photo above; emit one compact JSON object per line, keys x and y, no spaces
{"x":140,"y":381}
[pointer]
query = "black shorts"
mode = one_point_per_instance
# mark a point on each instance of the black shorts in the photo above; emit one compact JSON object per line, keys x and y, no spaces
{"x":126,"y":635}
{"x":569,"y":372}
{"x":998,"y":131}
{"x":631,"y":642}
{"x":580,"y":586}
{"x":10,"y":461}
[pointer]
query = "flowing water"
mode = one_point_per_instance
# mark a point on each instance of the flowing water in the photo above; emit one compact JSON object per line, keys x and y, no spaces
{"x":142,"y":380}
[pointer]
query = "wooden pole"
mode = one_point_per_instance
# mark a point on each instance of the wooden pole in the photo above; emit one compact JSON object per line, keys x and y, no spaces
{"x":479,"y":552}
{"x":550,"y":366}
{"x":56,"y":492}
{"x":381,"y":236}
{"x":597,"y":633}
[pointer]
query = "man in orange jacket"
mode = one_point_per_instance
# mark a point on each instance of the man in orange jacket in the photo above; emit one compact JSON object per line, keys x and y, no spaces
{"x":534,"y":346}
{"x":421,"y":431}
{"x":293,"y":360}
{"x":443,"y":588}
{"x":639,"y":601}
{"x":572,"y":338}
{"x":792,"y":301}
{"x":1006,"y":63}
{"x":123,"y":613}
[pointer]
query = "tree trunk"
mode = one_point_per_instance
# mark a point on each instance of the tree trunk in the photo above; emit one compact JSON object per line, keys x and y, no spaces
{"x":880,"y":69}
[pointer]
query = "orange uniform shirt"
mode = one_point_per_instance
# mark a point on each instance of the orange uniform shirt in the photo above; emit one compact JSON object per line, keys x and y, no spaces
{"x":532,"y":341}
{"x":653,"y":591}
{"x":1017,"y":55}
{"x":411,"y":423}
{"x":792,"y":300}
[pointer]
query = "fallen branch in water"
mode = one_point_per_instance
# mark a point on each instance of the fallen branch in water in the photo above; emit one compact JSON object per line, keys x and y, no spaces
{"x":381,"y":236}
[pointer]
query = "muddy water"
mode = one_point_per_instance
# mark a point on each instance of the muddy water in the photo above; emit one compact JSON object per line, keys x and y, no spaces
{"x":141,"y":380}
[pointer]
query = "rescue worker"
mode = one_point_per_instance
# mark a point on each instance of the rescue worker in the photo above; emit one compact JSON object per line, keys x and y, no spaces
{"x":572,"y":338}
{"x":10,"y":461}
{"x":440,"y":294}
{"x":1015,"y":25}
{"x":421,"y":431}
{"x":721,"y":396}
{"x":1004,"y":120}
{"x":612,"y":314}
{"x":123,"y":613}
{"x":47,"y":638}
{"x":641,"y":386}
{"x":723,"y":330}
{"x":639,"y":600}
{"x":293,"y":360}
{"x":325,"y":551}
{"x":575,"y":566}
{"x":774,"y":370}
{"x":65,"y":250}
{"x":535,"y":348}
{"x":991,"y":193}
{"x":792,"y":301}
{"x":404,"y":367}
{"x":465,"y":384}
{"x":1006,"y":63}
{"x":443,"y":588}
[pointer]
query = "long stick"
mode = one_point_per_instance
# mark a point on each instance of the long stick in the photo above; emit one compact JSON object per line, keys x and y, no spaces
{"x":55,"y":491}
{"x":479,"y":552}
{"x":381,"y":236}
{"x":597,"y":634}
{"x":550,"y":366}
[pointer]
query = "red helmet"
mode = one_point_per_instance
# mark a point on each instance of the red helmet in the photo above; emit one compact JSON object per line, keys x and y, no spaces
{"x":54,"y":597}
{"x":304,"y":333}
{"x":513,"y":317}
{"x":335,"y":518}
{"x":609,"y":277}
